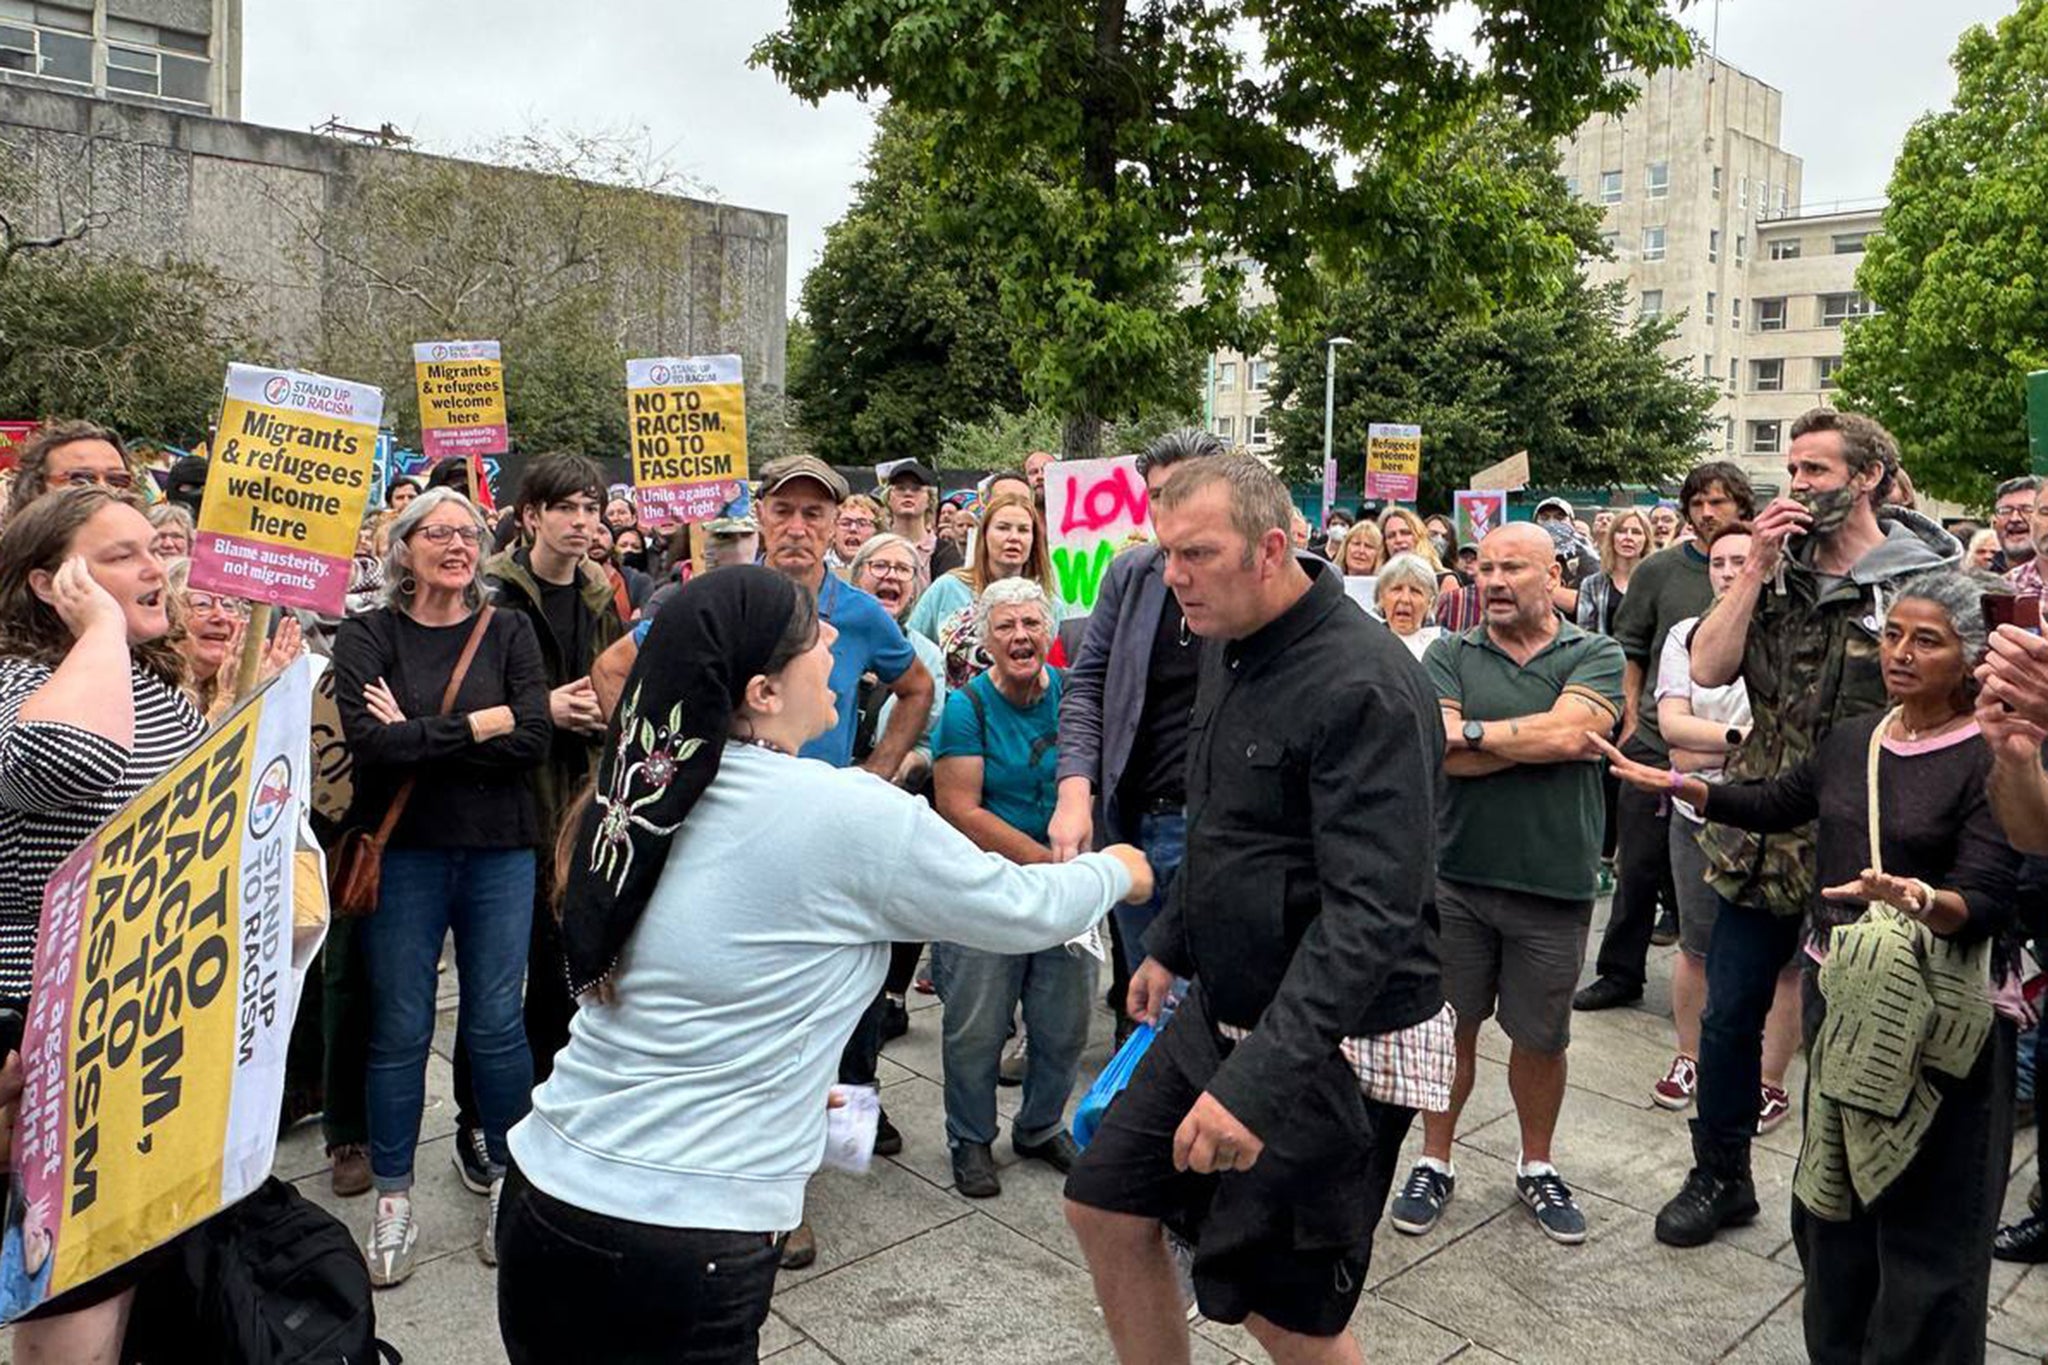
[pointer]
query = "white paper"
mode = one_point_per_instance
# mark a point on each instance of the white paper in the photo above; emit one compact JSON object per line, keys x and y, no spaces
{"x":850,"y":1128}
{"x":1091,"y":942}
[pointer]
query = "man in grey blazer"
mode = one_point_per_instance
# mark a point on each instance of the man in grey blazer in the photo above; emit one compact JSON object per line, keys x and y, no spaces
{"x":1124,"y":714}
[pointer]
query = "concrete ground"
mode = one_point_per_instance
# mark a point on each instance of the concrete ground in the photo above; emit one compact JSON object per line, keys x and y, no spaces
{"x":908,"y":1271}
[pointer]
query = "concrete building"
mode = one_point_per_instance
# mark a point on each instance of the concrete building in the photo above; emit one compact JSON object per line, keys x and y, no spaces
{"x":1704,"y":220}
{"x":175,"y":54}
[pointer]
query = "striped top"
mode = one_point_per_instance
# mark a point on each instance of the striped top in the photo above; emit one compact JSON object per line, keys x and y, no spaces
{"x":58,"y":784}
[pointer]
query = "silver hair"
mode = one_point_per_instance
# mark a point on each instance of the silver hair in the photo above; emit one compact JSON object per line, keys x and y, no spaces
{"x":885,"y":540}
{"x":399,"y":584}
{"x":1408,"y":567}
{"x":1021,"y":591}
{"x":1959,"y":593}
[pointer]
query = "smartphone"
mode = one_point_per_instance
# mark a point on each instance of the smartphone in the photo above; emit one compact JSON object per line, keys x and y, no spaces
{"x":11,"y":1024}
{"x":2008,"y":609}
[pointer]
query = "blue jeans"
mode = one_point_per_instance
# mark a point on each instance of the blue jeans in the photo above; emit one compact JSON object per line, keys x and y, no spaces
{"x":486,"y":896}
{"x":1164,"y":840}
{"x":1749,"y":948}
{"x":981,"y":992}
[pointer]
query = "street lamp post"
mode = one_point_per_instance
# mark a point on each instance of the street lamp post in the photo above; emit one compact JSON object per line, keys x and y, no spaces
{"x":1330,"y":415}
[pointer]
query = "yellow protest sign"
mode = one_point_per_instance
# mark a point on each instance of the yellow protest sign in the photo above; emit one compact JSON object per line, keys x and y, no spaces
{"x":462,"y":397}
{"x":286,"y":488}
{"x":688,"y":419}
{"x":166,"y":977}
{"x":1393,"y":461}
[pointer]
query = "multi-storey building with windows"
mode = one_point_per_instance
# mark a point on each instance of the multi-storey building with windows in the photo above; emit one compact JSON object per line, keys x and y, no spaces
{"x":179,"y":54}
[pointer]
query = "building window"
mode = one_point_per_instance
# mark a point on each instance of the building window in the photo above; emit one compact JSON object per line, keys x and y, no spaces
{"x":1787,"y":250}
{"x":54,"y":41}
{"x":1571,"y":186}
{"x":1742,"y":194}
{"x":1849,"y":243}
{"x":1707,"y":367}
{"x":1783,"y":200}
{"x":1713,"y":245}
{"x":1732,"y":363}
{"x":1653,"y":244}
{"x":1610,"y":187}
{"x":1741,"y":248}
{"x":1735,"y":313}
{"x":1653,"y":303}
{"x":1770,"y":315}
{"x":1763,"y":437}
{"x":1712,"y":299}
{"x":1262,"y":371}
{"x":1226,"y":428}
{"x":1826,"y":368}
{"x":1836,"y":309}
{"x":1728,"y":434}
{"x":1226,"y":374}
{"x":1255,"y":431}
{"x":1766,"y":376}
{"x":1612,"y":241}
{"x":1717,"y":182}
{"x":1659,"y":179}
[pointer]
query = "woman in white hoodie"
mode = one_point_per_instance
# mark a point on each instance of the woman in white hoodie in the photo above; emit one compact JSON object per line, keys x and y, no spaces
{"x":728,"y":915}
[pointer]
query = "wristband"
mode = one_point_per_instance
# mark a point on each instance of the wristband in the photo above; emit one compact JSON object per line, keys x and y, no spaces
{"x":1677,"y":780}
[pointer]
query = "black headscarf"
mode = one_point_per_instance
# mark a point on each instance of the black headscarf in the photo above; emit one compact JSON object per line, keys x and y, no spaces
{"x":664,"y":749}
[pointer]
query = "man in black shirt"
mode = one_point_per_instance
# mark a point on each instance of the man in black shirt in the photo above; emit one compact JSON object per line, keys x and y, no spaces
{"x":1301,"y":917}
{"x":1124,"y":715}
{"x":548,"y":576}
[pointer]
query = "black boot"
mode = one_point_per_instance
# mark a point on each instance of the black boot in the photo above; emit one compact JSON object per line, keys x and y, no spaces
{"x":1718,"y":1193}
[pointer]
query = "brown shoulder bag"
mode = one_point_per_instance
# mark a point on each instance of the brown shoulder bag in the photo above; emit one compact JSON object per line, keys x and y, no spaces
{"x":355,"y":865}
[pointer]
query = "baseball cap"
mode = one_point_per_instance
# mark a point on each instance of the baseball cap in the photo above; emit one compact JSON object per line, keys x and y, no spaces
{"x":731,"y":526}
{"x":793,"y":467}
{"x":1559,"y":503}
{"x":922,"y":473}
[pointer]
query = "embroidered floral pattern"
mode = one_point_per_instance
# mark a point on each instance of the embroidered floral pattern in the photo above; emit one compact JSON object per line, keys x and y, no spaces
{"x":645,"y":764}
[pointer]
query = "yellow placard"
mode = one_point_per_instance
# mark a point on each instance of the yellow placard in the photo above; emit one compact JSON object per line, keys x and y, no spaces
{"x":688,"y":422}
{"x":461,"y":387}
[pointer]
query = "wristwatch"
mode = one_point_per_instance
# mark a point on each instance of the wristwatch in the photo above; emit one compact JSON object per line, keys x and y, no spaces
{"x":1474,"y":733}
{"x":1734,"y":735}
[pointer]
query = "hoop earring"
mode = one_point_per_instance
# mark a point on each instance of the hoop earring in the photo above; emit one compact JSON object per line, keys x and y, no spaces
{"x":408,"y":586}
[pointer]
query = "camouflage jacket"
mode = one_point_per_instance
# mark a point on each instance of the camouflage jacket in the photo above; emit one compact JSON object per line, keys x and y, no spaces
{"x":1810,"y":662}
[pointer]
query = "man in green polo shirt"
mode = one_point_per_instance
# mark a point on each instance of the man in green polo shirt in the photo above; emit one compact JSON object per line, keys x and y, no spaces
{"x":1518,"y":856}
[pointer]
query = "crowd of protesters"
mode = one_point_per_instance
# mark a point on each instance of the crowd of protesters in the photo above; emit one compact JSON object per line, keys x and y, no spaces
{"x":700,"y":807}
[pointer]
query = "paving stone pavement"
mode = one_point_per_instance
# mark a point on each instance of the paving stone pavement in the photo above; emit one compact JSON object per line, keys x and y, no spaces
{"x":908,"y":1271}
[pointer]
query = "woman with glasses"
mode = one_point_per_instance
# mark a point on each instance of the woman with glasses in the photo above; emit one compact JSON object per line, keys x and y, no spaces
{"x":461,"y":855}
{"x":209,"y":629}
{"x":860,"y":517}
{"x":174,"y":531}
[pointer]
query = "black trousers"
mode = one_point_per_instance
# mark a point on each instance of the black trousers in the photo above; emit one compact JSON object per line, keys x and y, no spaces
{"x":903,"y":958}
{"x":1642,"y":879}
{"x":580,"y":1286}
{"x":1908,"y":1278}
{"x":345,"y":1033}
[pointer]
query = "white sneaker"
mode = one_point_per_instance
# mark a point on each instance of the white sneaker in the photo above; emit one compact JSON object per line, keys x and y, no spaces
{"x":394,"y":1235}
{"x":487,"y":1248}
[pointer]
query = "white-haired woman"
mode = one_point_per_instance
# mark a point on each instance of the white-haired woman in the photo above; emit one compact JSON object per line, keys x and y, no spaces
{"x":1405,"y":594}
{"x":997,"y":779}
{"x":461,"y":855}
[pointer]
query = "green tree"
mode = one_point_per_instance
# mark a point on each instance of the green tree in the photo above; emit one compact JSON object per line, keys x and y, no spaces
{"x":1960,"y":272}
{"x":1002,"y":439}
{"x":1592,"y":398}
{"x":139,"y":345}
{"x":905,"y":331}
{"x":1107,"y":149}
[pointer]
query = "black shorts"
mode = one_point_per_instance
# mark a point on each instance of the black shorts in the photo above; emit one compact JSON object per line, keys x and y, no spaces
{"x":1128,"y":1168}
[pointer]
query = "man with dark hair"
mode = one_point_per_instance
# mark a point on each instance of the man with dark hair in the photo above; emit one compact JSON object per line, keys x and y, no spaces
{"x":549,"y":578}
{"x":1795,"y":627}
{"x":1668,"y":587}
{"x":1124,"y":716}
{"x":69,"y":455}
{"x":2012,"y":517}
{"x":1265,"y":1124}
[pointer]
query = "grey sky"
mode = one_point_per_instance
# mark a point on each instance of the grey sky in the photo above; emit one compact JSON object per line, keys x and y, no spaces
{"x":458,"y":72}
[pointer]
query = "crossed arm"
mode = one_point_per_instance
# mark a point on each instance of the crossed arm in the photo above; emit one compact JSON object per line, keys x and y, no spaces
{"x":1559,"y":735}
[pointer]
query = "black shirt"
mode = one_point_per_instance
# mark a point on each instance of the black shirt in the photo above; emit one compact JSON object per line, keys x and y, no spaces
{"x":465,"y":794}
{"x":561,"y":606}
{"x":1303,"y":909}
{"x":1157,"y":773}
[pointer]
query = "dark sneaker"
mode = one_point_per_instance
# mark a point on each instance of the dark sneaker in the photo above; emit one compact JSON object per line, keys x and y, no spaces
{"x":1607,"y":993}
{"x":2034,"y":1198}
{"x":974,"y":1171}
{"x":472,"y":1159}
{"x":895,"y":1018}
{"x":888,"y":1141}
{"x":1665,"y":933}
{"x":1675,"y":1090}
{"x":1772,"y":1106}
{"x":1557,"y":1213}
{"x":1421,"y":1201}
{"x":2025,"y":1242}
{"x":1058,"y":1151}
{"x":351,"y":1169}
{"x":800,"y":1248}
{"x":1706,"y":1204}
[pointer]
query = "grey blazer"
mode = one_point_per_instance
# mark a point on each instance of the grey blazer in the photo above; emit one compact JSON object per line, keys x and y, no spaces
{"x":1104,"y":688}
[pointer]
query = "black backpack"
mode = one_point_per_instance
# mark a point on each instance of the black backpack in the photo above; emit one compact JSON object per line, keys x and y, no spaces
{"x":273,"y":1280}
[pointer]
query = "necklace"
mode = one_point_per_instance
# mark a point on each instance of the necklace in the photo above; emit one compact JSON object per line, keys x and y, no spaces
{"x":755,"y":741}
{"x":1912,"y":736}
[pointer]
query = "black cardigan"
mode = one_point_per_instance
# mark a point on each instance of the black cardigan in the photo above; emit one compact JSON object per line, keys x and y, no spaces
{"x":466,"y":794}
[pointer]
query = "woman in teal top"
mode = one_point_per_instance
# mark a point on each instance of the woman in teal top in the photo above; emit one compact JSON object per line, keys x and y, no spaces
{"x":1011,"y":543}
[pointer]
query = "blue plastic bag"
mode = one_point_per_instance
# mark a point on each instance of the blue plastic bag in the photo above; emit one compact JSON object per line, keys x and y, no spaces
{"x":1115,"y":1076}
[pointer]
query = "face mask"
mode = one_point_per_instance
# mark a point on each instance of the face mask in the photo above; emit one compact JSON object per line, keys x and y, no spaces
{"x":1442,"y":547}
{"x":1830,"y":509}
